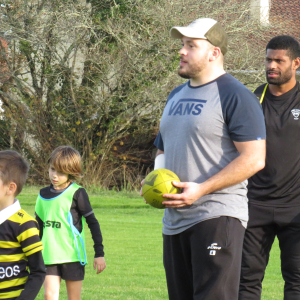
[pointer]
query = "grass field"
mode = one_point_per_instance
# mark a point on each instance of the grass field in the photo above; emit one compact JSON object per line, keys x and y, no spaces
{"x":133,"y":250}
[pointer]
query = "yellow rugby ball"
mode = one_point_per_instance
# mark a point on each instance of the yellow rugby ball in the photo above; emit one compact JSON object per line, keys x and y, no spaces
{"x":157,"y":183}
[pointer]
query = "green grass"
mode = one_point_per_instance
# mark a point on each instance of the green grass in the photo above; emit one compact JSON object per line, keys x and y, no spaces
{"x":273,"y":282}
{"x":133,"y":250}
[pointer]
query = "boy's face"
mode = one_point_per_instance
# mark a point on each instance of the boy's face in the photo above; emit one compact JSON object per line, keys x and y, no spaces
{"x":58,"y":179}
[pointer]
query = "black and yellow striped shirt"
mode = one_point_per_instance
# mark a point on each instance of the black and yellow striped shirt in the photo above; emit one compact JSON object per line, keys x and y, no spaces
{"x":19,"y":238}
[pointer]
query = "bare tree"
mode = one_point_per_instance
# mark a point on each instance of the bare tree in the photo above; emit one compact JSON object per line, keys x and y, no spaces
{"x":96,"y":75}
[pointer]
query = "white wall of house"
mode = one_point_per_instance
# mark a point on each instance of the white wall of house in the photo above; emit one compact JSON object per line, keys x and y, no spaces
{"x":1,"y":110}
{"x":260,"y":10}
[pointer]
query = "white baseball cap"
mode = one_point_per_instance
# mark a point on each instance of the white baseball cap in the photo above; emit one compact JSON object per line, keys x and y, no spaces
{"x":204,"y":28}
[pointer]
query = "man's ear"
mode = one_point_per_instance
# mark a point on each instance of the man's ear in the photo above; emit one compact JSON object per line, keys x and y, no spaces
{"x":215,"y":53}
{"x":12,"y":188}
{"x":296,"y":63}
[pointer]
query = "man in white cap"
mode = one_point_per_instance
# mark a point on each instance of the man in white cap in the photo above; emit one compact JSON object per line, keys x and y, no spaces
{"x":212,"y":135}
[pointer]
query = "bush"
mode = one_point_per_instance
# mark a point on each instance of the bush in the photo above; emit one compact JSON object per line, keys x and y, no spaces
{"x":95,"y":75}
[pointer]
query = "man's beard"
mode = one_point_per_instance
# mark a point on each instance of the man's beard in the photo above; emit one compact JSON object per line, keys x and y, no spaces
{"x":193,"y":70}
{"x":185,"y":75}
{"x":281,"y":79}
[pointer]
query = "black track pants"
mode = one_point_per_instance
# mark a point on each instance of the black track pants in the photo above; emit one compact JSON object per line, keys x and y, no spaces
{"x":203,"y":262}
{"x":264,"y":224}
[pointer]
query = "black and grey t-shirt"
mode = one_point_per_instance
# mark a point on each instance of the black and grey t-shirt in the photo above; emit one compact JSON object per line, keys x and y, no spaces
{"x":197,"y":130}
{"x":278,"y":184}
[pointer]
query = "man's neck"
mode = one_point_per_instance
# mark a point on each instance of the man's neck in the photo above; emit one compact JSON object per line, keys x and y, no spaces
{"x":278,"y":90}
{"x":207,"y":76}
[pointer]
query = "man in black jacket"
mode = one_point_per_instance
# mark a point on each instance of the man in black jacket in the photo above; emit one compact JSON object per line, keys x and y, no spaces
{"x":274,"y":192}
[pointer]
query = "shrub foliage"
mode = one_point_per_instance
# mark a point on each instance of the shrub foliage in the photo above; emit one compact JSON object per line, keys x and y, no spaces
{"x":96,"y":75}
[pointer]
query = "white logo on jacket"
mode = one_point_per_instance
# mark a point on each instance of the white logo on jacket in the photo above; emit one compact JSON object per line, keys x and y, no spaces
{"x":296,"y":113}
{"x":213,"y":247}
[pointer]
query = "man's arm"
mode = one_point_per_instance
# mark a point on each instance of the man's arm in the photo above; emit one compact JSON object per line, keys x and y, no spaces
{"x":159,"y":162}
{"x":159,"y":152}
{"x":155,"y":167}
{"x":251,"y":160}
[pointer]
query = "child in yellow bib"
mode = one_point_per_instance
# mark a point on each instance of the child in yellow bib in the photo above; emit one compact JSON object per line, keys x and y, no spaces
{"x":61,"y":211}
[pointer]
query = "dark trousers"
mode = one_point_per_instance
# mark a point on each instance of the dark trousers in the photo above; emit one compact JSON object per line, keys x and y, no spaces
{"x":203,"y":262}
{"x":264,"y":224}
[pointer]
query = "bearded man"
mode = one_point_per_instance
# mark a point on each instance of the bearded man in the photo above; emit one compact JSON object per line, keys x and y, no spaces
{"x":274,"y":192}
{"x":212,"y":135}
